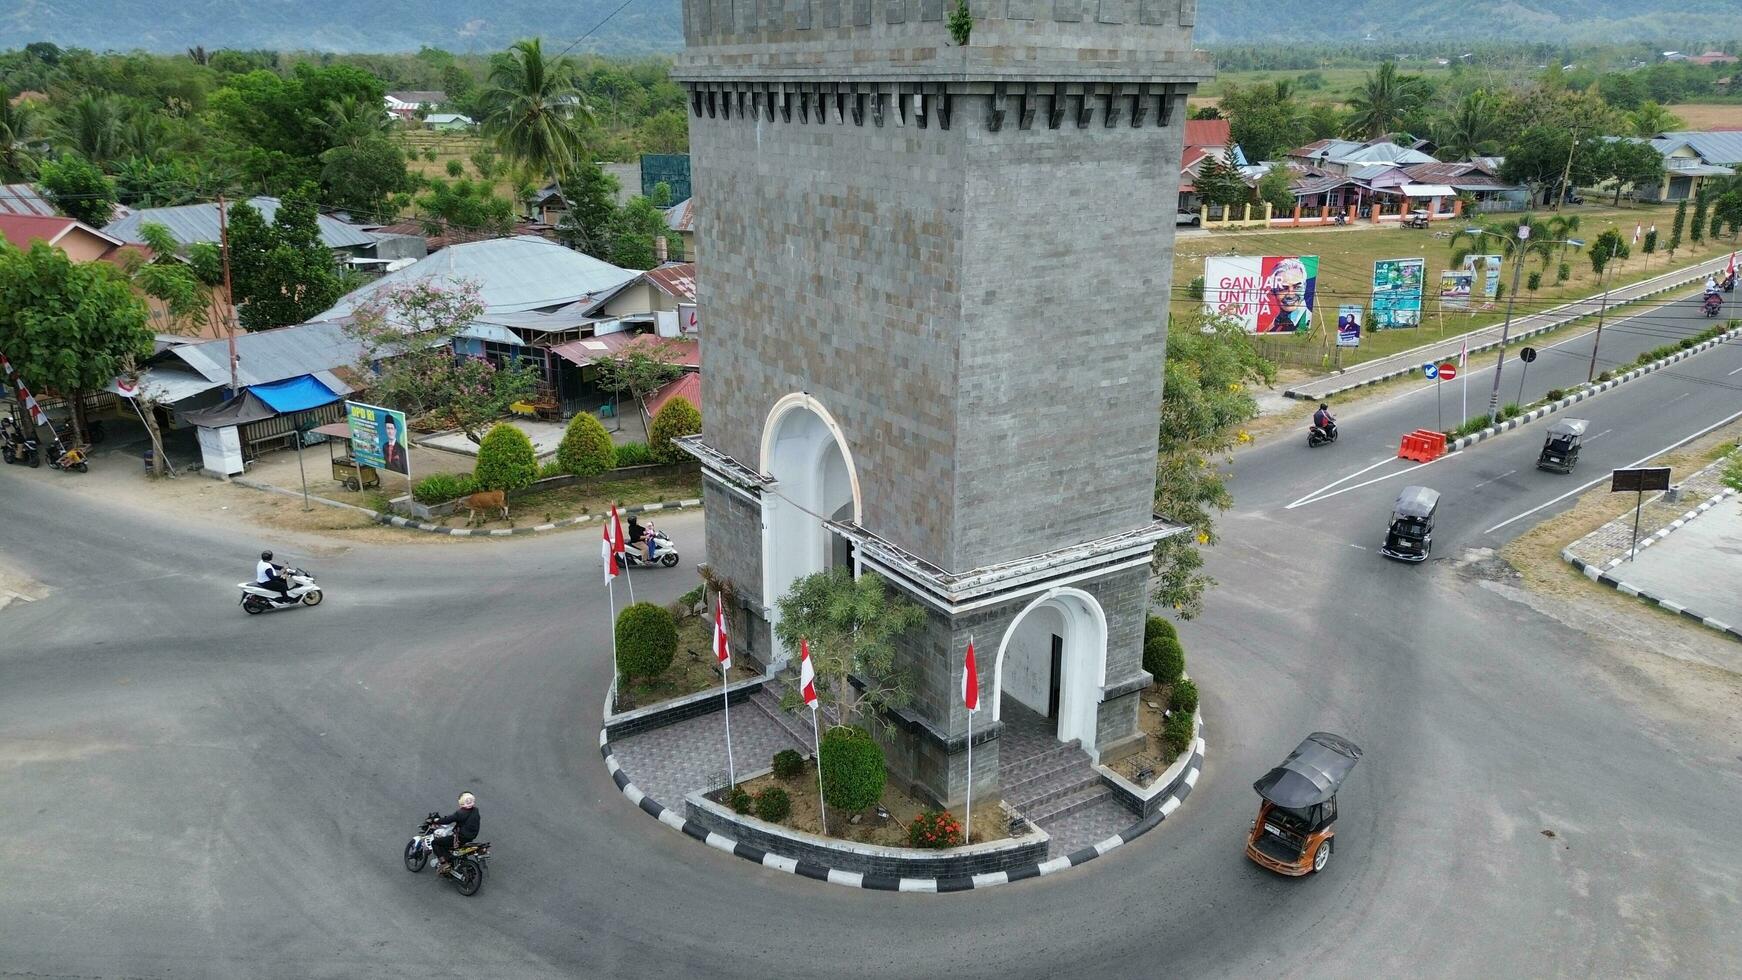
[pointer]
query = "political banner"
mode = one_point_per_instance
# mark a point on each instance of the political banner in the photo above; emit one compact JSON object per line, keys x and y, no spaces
{"x":1348,"y":326}
{"x":1479,"y":277}
{"x":1484,"y":269}
{"x":1397,"y":286}
{"x":378,"y":437}
{"x":1454,"y":290}
{"x":1264,"y":294}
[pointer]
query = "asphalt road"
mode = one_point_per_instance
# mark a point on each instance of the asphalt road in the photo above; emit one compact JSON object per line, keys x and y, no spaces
{"x":192,"y":792}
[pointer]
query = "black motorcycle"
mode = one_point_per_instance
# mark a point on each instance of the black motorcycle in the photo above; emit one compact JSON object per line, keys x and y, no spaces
{"x":1318,"y":436}
{"x":467,"y":867}
{"x":1714,"y":303}
{"x":16,"y":447}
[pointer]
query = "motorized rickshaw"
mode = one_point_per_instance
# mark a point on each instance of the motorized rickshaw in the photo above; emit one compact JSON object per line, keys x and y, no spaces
{"x":1411,"y":535}
{"x":1416,"y":219}
{"x":1560,"y":451}
{"x":1296,"y":822}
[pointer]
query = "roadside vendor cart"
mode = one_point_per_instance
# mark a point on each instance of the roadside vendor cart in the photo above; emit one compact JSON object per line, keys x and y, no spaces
{"x":346,"y":471}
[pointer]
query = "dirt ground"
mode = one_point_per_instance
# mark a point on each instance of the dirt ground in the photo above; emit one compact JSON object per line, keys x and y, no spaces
{"x":1151,"y":716}
{"x":1705,"y":115}
{"x":692,"y":669}
{"x":585,"y":497}
{"x":989,"y":821}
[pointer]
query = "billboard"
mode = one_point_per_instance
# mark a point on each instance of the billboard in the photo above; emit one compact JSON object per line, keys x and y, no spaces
{"x":1480,"y":276}
{"x":1264,"y":294}
{"x":378,"y":437}
{"x":1348,"y":326}
{"x":1397,"y":285}
{"x":1454,"y":290}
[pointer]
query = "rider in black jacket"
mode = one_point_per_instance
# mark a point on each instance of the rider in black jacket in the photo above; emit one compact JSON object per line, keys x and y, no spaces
{"x":466,"y":823}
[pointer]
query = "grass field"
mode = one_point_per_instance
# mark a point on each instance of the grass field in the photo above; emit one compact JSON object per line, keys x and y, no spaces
{"x":1709,"y":115}
{"x":446,"y":146}
{"x":1346,"y":257}
{"x":1338,"y":83}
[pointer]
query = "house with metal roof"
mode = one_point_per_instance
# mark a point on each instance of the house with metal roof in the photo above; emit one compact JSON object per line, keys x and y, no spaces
{"x":1690,"y":159}
{"x":24,"y":199}
{"x":681,"y":218}
{"x":191,"y":224}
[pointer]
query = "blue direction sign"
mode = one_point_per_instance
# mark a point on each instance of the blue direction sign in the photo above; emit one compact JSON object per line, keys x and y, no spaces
{"x":1430,"y":371}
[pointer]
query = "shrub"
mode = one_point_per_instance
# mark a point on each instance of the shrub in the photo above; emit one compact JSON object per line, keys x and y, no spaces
{"x":692,"y":600}
{"x":677,"y":417}
{"x":1162,"y":654}
{"x":852,"y":765}
{"x":1555,"y":394}
{"x":1563,"y":272}
{"x":439,"y":488}
{"x":1195,"y":288}
{"x":633,"y":454}
{"x":1685,"y":344}
{"x":934,"y":830}
{"x":586,"y":448}
{"x":787,"y":764}
{"x":1510,"y":410}
{"x":1184,"y":697}
{"x":1605,"y":376}
{"x":455,"y":168}
{"x":1533,"y":282}
{"x":646,"y":639}
{"x":1176,"y":735}
{"x":505,"y":460}
{"x":772,"y":804}
{"x":739,"y":800}
{"x":550,"y":469}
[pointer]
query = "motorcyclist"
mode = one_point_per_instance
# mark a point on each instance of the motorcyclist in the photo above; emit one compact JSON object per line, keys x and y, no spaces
{"x":641,"y":537}
{"x":1323,"y":421}
{"x":270,"y":575}
{"x":465,"y":822}
{"x":1711,"y":286}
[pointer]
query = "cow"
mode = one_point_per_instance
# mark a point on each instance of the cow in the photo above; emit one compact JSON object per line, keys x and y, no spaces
{"x":486,"y":501}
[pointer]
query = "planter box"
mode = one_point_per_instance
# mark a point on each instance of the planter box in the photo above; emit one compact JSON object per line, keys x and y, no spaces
{"x":677,"y":709}
{"x":1145,"y":800}
{"x":429,"y":512}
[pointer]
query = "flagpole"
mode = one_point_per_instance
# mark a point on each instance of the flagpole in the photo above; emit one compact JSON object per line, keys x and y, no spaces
{"x":817,"y":745}
{"x":968,"y":816}
{"x":611,"y":600}
{"x":722,"y":652}
{"x":726,"y":705}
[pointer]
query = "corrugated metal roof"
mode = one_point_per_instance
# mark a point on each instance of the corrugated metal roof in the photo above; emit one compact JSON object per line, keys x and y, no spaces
{"x":273,"y":355}
{"x":688,"y":385}
{"x":513,"y":275}
{"x":677,"y":279}
{"x":682,"y":215}
{"x":193,"y":223}
{"x":24,"y":199}
{"x":418,"y":98}
{"x":589,"y":349}
{"x":1720,"y":147}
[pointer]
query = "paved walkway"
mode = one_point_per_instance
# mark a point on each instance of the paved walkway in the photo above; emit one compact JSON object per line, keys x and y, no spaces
{"x":1699,"y":567}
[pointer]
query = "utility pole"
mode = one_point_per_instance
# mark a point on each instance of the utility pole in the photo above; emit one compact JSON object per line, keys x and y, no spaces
{"x":229,"y":295}
{"x":1506,"y":330}
{"x":1598,"y":339}
{"x":1567,"y":174}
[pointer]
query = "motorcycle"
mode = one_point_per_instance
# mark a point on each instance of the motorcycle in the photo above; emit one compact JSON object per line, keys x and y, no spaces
{"x":1713,"y":303}
{"x":467,"y":866}
{"x":664,"y":552}
{"x":257,"y":598}
{"x":1340,"y":219}
{"x":1317,"y":436}
{"x":15,"y":446}
{"x":69,"y":459}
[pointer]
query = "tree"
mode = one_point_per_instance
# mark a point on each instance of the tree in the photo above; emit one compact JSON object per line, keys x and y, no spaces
{"x":534,"y":111}
{"x":1728,"y":209}
{"x":1538,"y":157}
{"x":592,"y":210}
{"x":283,"y":123}
{"x":1471,"y":128}
{"x":506,"y":460}
{"x":465,"y":205}
{"x":586,"y":449}
{"x":1323,"y":120}
{"x":20,"y":125}
{"x":667,"y":132}
{"x":1649,"y":245}
{"x":1608,"y":245}
{"x":1211,"y":366}
{"x":361,"y":177}
{"x":1545,"y":241}
{"x":1265,"y":118}
{"x":407,"y":330}
{"x":635,"y":228}
{"x":1697,"y":229}
{"x":1632,"y":164}
{"x":78,"y":188}
{"x":677,"y":418}
{"x":639,"y":369}
{"x":1385,"y":100}
{"x":1679,"y":225}
{"x":852,"y":625}
{"x":281,"y":273}
{"x":91,"y":127}
{"x":1219,"y":181}
{"x":66,"y":326}
{"x":1650,"y":119}
{"x":1276,"y":188}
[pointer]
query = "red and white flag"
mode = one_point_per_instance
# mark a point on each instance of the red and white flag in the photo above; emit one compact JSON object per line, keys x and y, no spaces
{"x":608,"y":555}
{"x":970,"y":682}
{"x":1732,"y":264}
{"x":722,"y":649}
{"x":1637,"y":229}
{"x":617,"y":544}
{"x":807,"y":675}
{"x":1463,"y":352}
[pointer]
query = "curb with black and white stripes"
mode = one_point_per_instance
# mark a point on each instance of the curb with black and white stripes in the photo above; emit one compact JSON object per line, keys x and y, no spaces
{"x":892,"y":883}
{"x":1327,"y":394}
{"x":1599,"y":573}
{"x":1590,"y":391}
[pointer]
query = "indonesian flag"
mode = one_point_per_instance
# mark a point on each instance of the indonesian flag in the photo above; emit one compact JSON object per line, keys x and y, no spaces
{"x":617,"y":544}
{"x":1636,"y":231}
{"x":722,"y":649}
{"x":608,"y":555}
{"x":807,"y":675}
{"x":970,"y":682}
{"x":1732,"y":264}
{"x":1463,"y":352}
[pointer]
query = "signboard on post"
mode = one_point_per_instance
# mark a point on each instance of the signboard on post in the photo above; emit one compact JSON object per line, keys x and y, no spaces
{"x":1264,"y":294}
{"x":1448,"y":371}
{"x":1454,"y":290}
{"x":1397,"y":286}
{"x":1348,"y":326}
{"x":378,"y":437}
{"x":1639,"y":480}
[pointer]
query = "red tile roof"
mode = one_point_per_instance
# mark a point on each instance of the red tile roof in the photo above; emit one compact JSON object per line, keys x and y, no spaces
{"x":687,"y":353}
{"x":689,"y":386}
{"x":1208,"y":132}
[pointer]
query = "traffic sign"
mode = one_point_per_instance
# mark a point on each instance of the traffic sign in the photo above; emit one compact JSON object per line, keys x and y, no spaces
{"x":1527,"y":354}
{"x":1448,"y":371}
{"x":1430,"y":371}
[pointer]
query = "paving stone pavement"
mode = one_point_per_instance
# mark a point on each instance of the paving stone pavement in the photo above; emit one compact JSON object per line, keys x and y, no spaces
{"x":1087,"y":827}
{"x":1610,"y":543}
{"x":669,"y":762}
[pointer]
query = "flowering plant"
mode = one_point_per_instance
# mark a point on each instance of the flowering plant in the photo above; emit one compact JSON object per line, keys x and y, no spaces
{"x":934,"y":829}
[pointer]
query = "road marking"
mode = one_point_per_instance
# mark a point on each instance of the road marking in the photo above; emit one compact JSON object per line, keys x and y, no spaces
{"x":1599,"y":435}
{"x":1351,"y":476}
{"x":1678,"y":398}
{"x":1500,"y":477}
{"x":1360,"y":546}
{"x":1311,"y":499}
{"x":1737,"y":371}
{"x":1677,"y":444}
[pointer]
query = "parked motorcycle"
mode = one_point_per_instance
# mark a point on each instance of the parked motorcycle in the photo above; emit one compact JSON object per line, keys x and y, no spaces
{"x":664,"y":552}
{"x":1317,"y":436}
{"x":257,"y":598}
{"x":467,"y":867}
{"x":16,"y":446}
{"x":70,"y":460}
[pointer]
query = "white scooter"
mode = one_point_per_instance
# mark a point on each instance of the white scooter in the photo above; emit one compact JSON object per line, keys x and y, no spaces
{"x":257,"y":598}
{"x":664,"y":552}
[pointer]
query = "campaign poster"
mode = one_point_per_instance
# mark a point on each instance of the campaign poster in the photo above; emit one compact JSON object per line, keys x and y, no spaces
{"x":1454,"y":290}
{"x":1348,"y":326}
{"x":1397,"y":287}
{"x":378,"y":437}
{"x":1264,"y":294}
{"x":1484,"y":269}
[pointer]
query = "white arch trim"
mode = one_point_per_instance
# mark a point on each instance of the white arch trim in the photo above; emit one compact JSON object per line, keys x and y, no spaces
{"x":771,"y":431}
{"x":1085,"y":664}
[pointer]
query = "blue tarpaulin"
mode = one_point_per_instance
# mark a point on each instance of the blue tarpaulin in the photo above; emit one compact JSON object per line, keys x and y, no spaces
{"x":294,"y":394}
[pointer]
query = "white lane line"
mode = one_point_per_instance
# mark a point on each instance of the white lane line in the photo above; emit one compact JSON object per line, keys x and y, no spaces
{"x":1360,"y":546}
{"x":1737,"y":371}
{"x":1678,"y":398}
{"x":1310,"y":499}
{"x":1599,"y":435}
{"x":1643,"y":459}
{"x":1351,"y":476}
{"x":1500,"y":477}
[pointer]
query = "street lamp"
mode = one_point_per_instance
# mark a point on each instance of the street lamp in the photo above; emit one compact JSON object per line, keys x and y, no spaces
{"x":1614,"y":249}
{"x":1516,"y":247}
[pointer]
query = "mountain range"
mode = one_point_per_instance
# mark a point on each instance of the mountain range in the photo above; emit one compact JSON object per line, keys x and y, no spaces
{"x":642,"y":26}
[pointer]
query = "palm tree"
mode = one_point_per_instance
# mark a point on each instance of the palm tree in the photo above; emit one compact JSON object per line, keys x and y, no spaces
{"x":1470,"y":128}
{"x":534,"y":110}
{"x":92,"y":127}
{"x":1547,"y":238}
{"x":350,"y":121}
{"x":1384,"y":101}
{"x":18,"y":128}
{"x":197,"y":54}
{"x":1650,"y":119}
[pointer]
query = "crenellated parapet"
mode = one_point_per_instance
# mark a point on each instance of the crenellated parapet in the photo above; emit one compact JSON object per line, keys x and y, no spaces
{"x":1020,"y":105}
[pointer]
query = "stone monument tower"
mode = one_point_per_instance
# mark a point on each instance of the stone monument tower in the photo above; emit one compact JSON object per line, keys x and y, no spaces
{"x":935,"y":278}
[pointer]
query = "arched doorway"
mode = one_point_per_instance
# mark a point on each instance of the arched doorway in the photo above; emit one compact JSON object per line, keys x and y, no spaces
{"x":1053,"y":661}
{"x":806,"y":453}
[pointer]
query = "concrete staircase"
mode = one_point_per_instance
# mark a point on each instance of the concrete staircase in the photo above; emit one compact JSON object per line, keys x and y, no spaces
{"x":793,"y":723}
{"x":1055,"y":782}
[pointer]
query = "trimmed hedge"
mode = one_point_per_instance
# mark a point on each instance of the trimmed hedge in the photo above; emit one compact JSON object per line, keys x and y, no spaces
{"x":505,"y":460}
{"x":738,"y":799}
{"x":677,"y":417}
{"x":853,"y":772}
{"x":787,"y":764}
{"x":586,"y":448}
{"x":633,"y":454}
{"x":439,"y":488}
{"x":1184,"y":696}
{"x":1177,"y":733}
{"x":646,"y":639}
{"x":1162,"y":654}
{"x":772,"y":804}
